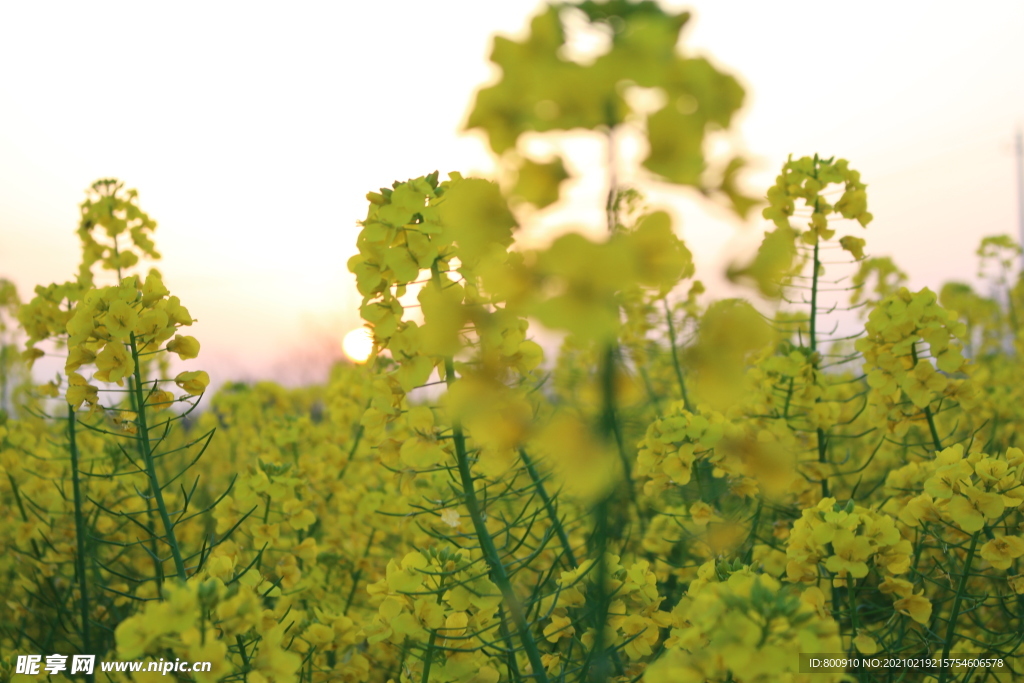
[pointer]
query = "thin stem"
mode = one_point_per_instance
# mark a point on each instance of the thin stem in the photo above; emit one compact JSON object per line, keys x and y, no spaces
{"x":80,"y":537}
{"x":611,"y":204}
{"x":150,"y":525}
{"x":490,"y":551}
{"x":955,"y":613}
{"x":513,"y":665}
{"x":358,"y":573}
{"x":429,"y":659}
{"x":549,"y":507}
{"x":600,"y":671}
{"x":814,"y":296}
{"x":172,"y":541}
{"x":822,"y":437}
{"x":927,"y":409}
{"x":675,"y":357}
{"x":609,"y":419}
{"x":431,"y":645}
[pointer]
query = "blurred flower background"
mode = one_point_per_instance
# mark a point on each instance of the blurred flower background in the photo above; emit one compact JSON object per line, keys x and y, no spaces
{"x":253,"y":133}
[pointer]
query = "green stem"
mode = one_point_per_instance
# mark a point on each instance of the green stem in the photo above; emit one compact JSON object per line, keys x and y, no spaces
{"x":358,"y":573}
{"x":853,"y":609}
{"x":953,"y":615}
{"x":611,"y":204}
{"x":154,"y":482}
{"x":549,"y":507}
{"x":609,"y":420}
{"x":752,"y":538}
{"x":490,"y":551}
{"x":80,"y":533}
{"x":150,"y":525}
{"x":559,"y":528}
{"x":822,"y":439}
{"x":675,"y":357}
{"x":931,"y":428}
{"x":600,"y":671}
{"x":356,"y":438}
{"x":927,"y":409}
{"x":814,"y":297}
{"x":429,"y":658}
{"x":513,"y":665}
{"x":245,"y":658}
{"x":789,"y":399}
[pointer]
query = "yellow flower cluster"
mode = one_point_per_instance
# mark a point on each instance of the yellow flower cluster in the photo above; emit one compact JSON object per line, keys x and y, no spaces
{"x":112,"y":326}
{"x":747,"y":628}
{"x":970,"y":491}
{"x":847,"y":539}
{"x":807,"y":179}
{"x":899,"y":329}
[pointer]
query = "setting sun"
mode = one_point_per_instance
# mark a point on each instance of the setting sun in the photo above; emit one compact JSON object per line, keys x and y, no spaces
{"x":358,"y":345}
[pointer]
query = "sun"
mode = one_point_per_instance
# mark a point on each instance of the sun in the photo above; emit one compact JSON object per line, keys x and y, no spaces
{"x":358,"y":345}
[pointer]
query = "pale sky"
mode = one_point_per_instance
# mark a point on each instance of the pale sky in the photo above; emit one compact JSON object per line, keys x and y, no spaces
{"x":253,"y":134}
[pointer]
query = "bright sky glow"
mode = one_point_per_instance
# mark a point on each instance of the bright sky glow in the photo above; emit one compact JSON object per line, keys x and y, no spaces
{"x":253,"y":132}
{"x":358,"y":344}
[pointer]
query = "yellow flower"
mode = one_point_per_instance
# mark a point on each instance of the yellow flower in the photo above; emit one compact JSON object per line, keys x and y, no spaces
{"x":851,"y":553}
{"x":551,"y":662}
{"x":560,"y":627}
{"x":407,"y":578}
{"x":988,"y":503}
{"x":701,"y":513}
{"x":865,"y":644}
{"x":917,"y":509}
{"x":153,"y":326}
{"x":265,"y":534}
{"x":273,"y":659}
{"x":948,"y":479}
{"x":971,"y":511}
{"x":175,"y":311}
{"x":300,"y":517}
{"x":186,"y":347}
{"x":922,"y":383}
{"x":214,"y":651}
{"x":642,"y":636}
{"x":1002,"y":551}
{"x":194,"y":382}
{"x":133,"y":637}
{"x":881,"y":529}
{"x":120,"y":319}
{"x":80,"y":391}
{"x":991,"y":470}
{"x":153,"y":289}
{"x":125,"y":420}
{"x":421,"y":452}
{"x":917,"y":607}
{"x":900,"y":587}
{"x":160,"y":400}
{"x":114,"y":363}
{"x":318,"y":634}
{"x":965,"y":515}
{"x":79,"y":356}
{"x":895,"y":558}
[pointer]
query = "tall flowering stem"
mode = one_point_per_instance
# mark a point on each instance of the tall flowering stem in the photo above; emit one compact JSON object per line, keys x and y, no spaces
{"x":490,"y":551}
{"x":80,"y":535}
{"x":954,"y":614}
{"x":147,"y":454}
